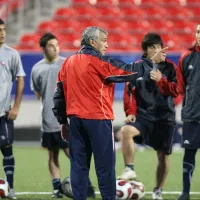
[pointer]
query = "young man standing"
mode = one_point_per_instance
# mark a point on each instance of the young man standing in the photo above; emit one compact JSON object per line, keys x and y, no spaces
{"x":149,"y":106}
{"x":88,"y":78}
{"x":10,"y":70}
{"x":43,"y":82}
{"x":188,"y":74}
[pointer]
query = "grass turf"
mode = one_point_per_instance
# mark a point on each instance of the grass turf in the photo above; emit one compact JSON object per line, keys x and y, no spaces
{"x":32,"y":175}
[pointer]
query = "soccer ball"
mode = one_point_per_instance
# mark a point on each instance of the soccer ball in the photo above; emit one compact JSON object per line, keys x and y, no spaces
{"x":123,"y":190}
{"x":4,"y":188}
{"x":137,"y":190}
{"x":66,"y":187}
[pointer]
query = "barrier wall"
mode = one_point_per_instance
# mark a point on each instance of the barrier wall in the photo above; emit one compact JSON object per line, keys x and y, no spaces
{"x":29,"y":59}
{"x":27,"y":125}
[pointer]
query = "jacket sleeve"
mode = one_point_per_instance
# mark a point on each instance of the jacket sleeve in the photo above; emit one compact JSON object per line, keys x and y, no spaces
{"x":169,"y":86}
{"x":130,"y":106}
{"x":59,"y":108}
{"x":114,"y":70}
{"x":181,"y":84}
{"x":59,"y":100}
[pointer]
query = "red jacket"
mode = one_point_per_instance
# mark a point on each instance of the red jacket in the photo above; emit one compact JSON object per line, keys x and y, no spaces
{"x":88,"y":81}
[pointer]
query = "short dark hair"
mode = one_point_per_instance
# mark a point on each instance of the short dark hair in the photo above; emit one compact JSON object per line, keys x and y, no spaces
{"x":45,"y":38}
{"x":150,"y":39}
{"x":1,"y":22}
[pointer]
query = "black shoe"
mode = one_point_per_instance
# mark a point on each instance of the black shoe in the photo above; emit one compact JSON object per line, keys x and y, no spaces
{"x":57,"y":194}
{"x":184,"y":196}
{"x":91,"y":192}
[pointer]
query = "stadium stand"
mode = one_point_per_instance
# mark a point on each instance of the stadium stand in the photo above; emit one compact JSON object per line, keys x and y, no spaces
{"x":126,"y":20}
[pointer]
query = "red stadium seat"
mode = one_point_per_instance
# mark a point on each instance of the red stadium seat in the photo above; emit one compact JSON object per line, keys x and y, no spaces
{"x":170,"y":3}
{"x":109,"y":12}
{"x":161,"y":27}
{"x":154,"y":13}
{"x":29,"y":41}
{"x":47,"y":26}
{"x":178,"y":13}
{"x":138,"y":26}
{"x":192,"y":4}
{"x":86,"y":12}
{"x":132,"y":12}
{"x":146,"y":3}
{"x":195,"y":14}
{"x":117,"y":25}
{"x":184,"y":27}
{"x":187,"y":41}
{"x":64,"y":13}
{"x":69,"y":25}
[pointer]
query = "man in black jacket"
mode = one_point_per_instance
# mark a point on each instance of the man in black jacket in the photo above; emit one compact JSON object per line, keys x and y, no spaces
{"x":188,"y":73}
{"x":149,"y":106}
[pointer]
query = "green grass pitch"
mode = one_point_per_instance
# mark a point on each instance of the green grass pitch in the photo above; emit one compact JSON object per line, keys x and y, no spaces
{"x":32,"y":175}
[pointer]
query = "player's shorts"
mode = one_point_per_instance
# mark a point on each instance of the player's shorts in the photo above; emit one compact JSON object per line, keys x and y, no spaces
{"x":158,"y":135}
{"x":191,"y":135}
{"x":53,"y":140}
{"x":6,"y":131}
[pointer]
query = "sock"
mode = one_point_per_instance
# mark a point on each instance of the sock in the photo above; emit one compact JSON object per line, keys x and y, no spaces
{"x":131,"y":166}
{"x":9,"y":165}
{"x":188,"y":168}
{"x":56,"y":184}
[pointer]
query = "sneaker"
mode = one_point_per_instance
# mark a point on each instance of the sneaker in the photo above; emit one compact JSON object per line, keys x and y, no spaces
{"x":12,"y":194}
{"x":184,"y":196}
{"x":57,"y":194}
{"x":128,"y":174}
{"x":91,"y":192}
{"x":157,"y":194}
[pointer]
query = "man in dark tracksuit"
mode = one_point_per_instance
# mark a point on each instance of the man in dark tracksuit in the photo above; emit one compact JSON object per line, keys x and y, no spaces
{"x":188,"y":79}
{"x":88,"y":78}
{"x":149,"y":106}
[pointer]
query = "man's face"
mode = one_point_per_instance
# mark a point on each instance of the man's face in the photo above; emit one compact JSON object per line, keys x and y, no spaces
{"x":101,"y":43}
{"x":198,"y":35}
{"x":52,"y":49}
{"x":2,"y":33}
{"x":153,"y":49}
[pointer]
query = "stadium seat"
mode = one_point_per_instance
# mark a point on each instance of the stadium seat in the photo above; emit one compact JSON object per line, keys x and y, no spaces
{"x":178,"y":13}
{"x":117,"y":25}
{"x":132,"y":12}
{"x":147,"y":3}
{"x":47,"y":26}
{"x":154,"y":13}
{"x":192,"y":4}
{"x":29,"y":42}
{"x":86,"y":12}
{"x":161,"y":27}
{"x":170,"y":3}
{"x":184,"y":27}
{"x":138,"y":26}
{"x":195,"y":14}
{"x":64,"y":13}
{"x":70,"y":25}
{"x":108,"y":12}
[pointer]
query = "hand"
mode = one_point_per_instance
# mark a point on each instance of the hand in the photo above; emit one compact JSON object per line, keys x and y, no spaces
{"x":65,"y":131}
{"x":159,"y":56}
{"x":12,"y":114}
{"x":130,"y":118}
{"x":155,"y":75}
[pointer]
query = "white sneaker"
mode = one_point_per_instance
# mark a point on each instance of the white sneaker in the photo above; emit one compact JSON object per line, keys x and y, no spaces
{"x":156,"y":195}
{"x":128,"y":174}
{"x":12,"y":194}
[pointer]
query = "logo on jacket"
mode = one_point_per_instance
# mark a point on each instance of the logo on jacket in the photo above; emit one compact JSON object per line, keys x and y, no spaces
{"x":190,"y":67}
{"x":139,"y":79}
{"x":186,"y":142}
{"x":2,"y":63}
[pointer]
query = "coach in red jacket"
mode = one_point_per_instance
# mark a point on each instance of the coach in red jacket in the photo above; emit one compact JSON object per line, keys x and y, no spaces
{"x":88,"y":78}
